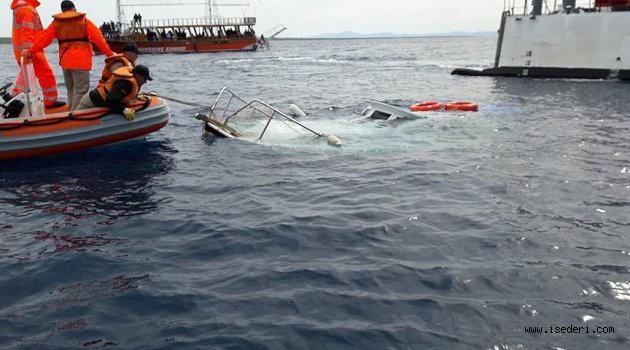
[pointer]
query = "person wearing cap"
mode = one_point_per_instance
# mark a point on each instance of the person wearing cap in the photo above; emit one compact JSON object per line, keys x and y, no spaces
{"x":120,"y":89}
{"x":75,"y":34}
{"x":126,"y":59}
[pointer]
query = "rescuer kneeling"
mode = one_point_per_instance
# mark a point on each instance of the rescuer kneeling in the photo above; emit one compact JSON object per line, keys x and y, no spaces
{"x":120,"y":89}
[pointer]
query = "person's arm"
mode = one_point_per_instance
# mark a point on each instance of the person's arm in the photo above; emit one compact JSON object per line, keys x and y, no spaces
{"x":96,"y":38}
{"x":116,"y":95}
{"x":44,"y":39}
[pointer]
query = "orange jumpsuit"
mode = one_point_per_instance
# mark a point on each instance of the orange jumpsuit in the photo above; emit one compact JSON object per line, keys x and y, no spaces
{"x":26,"y":27}
{"x":73,"y":54}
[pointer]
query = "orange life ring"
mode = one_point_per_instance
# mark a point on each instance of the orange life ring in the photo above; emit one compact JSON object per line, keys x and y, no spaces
{"x":426,"y":106}
{"x":462,"y":106}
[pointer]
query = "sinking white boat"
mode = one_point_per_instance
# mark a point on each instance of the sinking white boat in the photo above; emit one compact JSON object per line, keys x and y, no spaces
{"x":219,"y":122}
{"x":383,"y":111}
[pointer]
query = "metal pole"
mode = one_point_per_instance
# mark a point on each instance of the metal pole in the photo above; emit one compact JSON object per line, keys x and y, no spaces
{"x":27,"y":86}
{"x":525,"y":8}
{"x":208,"y":10}
{"x":118,"y":11}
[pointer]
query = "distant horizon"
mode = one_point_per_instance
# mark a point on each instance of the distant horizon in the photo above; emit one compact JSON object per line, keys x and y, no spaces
{"x":357,"y":35}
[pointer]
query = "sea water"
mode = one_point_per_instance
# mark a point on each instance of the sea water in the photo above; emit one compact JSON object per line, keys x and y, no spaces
{"x":459,"y":231}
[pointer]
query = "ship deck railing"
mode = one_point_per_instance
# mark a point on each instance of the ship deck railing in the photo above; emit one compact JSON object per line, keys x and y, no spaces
{"x":194,"y":22}
{"x":223,"y":110}
{"x":524,"y":8}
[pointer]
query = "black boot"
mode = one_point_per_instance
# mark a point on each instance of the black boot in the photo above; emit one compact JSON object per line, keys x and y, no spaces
{"x":56,"y":104}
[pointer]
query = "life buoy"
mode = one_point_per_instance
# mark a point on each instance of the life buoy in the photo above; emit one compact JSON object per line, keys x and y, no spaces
{"x":426,"y":106}
{"x":462,"y":106}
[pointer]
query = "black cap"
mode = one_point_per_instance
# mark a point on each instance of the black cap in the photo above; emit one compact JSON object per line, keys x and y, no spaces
{"x":67,"y":5}
{"x":131,"y":48}
{"x":142,"y":71}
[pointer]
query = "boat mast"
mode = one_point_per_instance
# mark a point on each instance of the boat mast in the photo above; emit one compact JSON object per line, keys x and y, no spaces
{"x":118,"y":11}
{"x":208,"y":9}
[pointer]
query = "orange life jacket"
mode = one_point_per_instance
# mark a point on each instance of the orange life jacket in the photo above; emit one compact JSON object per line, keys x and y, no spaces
{"x":109,"y":62}
{"x":71,"y":30}
{"x":123,"y":73}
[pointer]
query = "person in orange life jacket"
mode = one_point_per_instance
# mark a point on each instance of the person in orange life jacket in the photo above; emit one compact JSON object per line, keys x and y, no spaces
{"x":119,"y":90}
{"x":126,"y":59}
{"x":75,"y":35}
{"x":26,"y":27}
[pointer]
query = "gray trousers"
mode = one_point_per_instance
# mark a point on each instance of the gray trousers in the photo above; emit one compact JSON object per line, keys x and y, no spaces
{"x":86,"y":102}
{"x":78,"y":84}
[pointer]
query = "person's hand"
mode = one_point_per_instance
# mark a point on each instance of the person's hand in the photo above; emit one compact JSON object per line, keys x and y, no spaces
{"x":26,"y":54}
{"x":129,"y":114}
{"x":143,"y":98}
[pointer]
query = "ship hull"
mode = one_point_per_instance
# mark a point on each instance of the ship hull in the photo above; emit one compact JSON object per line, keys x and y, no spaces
{"x":546,"y":73}
{"x":586,"y":45}
{"x":188,"y":46}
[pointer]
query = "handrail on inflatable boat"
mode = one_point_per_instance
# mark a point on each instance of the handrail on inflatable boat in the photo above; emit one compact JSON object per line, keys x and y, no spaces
{"x":253,"y":104}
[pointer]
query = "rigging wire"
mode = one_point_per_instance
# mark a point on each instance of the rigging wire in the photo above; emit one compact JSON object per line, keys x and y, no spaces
{"x":269,"y":12}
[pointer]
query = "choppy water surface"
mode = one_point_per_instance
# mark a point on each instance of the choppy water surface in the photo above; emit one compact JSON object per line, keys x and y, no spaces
{"x":454,"y":232}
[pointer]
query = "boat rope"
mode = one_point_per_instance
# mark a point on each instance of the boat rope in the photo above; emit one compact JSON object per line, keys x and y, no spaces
{"x":176,"y":100}
{"x":193,"y":104}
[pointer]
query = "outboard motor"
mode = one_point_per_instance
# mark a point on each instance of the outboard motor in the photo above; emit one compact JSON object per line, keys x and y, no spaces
{"x":12,"y":109}
{"x":4,"y":93}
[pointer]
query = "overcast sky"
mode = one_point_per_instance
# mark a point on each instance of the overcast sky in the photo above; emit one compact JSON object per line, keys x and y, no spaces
{"x":312,"y":17}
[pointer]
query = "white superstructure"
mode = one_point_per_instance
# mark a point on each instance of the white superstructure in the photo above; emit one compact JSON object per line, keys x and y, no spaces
{"x":563,"y":39}
{"x":582,"y":40}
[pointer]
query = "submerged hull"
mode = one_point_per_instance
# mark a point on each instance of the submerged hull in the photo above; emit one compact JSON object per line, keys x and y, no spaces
{"x":70,"y":132}
{"x":381,"y":110}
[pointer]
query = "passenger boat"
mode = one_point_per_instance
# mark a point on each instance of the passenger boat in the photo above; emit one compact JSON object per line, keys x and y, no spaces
{"x":40,"y":132}
{"x":562,"y":39}
{"x":210,"y":33}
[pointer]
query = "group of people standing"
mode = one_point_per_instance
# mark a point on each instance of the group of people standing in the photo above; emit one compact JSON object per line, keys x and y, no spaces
{"x":111,"y":30}
{"x":137,"y":19}
{"x":121,"y":78}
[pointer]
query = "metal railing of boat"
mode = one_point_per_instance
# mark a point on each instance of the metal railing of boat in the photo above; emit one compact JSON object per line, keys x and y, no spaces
{"x":524,"y":7}
{"x":176,"y":22}
{"x":259,"y":106}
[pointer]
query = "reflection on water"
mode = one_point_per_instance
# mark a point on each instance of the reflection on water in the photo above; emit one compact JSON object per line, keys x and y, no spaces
{"x":621,"y":290}
{"x":111,"y":182}
{"x":55,"y":199}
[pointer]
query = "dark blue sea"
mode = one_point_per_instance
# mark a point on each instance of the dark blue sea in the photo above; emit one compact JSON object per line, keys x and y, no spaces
{"x":459,"y":231}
